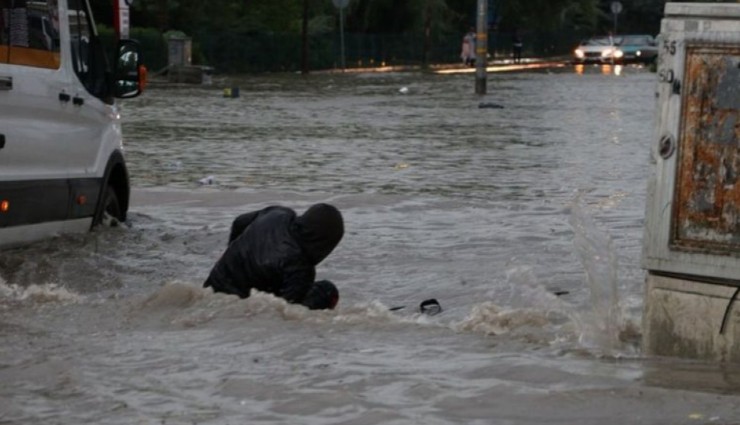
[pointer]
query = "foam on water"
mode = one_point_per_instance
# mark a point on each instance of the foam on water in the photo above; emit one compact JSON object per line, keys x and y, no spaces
{"x":491,"y":319}
{"x":37,"y":293}
{"x":178,"y":305}
{"x":184,"y":305}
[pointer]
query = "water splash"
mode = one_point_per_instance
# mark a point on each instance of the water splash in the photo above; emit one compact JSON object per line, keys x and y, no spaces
{"x":40,"y":294}
{"x":490,"y":319}
{"x":181,"y":305}
{"x":524,"y":309}
{"x":601,"y":326}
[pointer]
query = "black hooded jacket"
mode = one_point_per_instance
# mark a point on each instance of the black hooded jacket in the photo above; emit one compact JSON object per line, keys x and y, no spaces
{"x":274,"y":250}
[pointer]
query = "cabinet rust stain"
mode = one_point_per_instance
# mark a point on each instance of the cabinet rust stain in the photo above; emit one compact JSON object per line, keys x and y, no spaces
{"x":706,"y":214}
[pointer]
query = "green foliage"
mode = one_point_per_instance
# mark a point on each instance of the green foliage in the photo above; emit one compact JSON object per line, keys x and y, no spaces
{"x":322,"y":24}
{"x":239,"y":34}
{"x":390,"y":16}
{"x":549,"y":15}
{"x":153,"y":47}
{"x":259,"y":52}
{"x":194,"y":16}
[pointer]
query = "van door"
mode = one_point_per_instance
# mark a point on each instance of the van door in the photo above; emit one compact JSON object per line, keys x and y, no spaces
{"x":31,"y":80}
{"x":34,"y":124}
{"x":99,"y":130}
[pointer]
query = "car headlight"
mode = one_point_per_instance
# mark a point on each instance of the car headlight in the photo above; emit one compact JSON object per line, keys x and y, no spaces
{"x":639,"y":53}
{"x":579,"y":53}
{"x":618,"y":53}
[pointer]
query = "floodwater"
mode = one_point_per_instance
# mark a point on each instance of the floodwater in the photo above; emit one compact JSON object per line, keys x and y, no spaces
{"x":525,"y":222}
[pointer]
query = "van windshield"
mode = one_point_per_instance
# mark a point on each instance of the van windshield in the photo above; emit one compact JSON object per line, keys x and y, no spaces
{"x":29,"y":33}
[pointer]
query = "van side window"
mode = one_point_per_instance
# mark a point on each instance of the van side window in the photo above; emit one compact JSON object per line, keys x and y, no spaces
{"x":29,"y":33}
{"x":88,"y":56}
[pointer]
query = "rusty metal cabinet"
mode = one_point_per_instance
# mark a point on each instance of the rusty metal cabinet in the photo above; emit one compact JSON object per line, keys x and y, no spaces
{"x":692,"y":225}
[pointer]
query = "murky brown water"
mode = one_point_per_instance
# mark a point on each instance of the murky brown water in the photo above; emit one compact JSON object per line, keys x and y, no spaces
{"x":488,"y":210}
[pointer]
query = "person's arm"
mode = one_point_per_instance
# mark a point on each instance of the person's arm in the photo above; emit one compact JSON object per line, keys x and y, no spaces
{"x":297,"y":280}
{"x":241,"y":223}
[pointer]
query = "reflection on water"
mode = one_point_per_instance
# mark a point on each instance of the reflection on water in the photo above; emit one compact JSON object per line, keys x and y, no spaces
{"x":604,"y":69}
{"x":714,"y":378}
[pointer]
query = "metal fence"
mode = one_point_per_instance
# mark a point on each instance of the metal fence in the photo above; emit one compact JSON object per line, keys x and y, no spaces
{"x":234,"y":52}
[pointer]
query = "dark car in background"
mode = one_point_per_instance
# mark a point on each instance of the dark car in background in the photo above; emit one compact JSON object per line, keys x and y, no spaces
{"x":636,"y":49}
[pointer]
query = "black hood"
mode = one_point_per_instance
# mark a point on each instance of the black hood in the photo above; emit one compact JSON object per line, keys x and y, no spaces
{"x":319,"y":231}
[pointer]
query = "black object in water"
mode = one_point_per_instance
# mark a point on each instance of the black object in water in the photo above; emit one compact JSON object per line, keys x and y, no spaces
{"x":430,"y":307}
{"x":488,"y":105}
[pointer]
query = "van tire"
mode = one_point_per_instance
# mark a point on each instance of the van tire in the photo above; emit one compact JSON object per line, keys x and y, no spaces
{"x":110,"y":209}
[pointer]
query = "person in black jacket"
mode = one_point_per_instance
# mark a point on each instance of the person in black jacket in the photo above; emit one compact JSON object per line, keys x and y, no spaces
{"x":273,"y":250}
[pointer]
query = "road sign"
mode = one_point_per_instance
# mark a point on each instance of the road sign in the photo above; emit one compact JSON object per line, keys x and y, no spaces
{"x":340,"y":3}
{"x":616,"y":7}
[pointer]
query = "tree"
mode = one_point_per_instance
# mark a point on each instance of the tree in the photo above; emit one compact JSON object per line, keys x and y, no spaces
{"x":194,"y":16}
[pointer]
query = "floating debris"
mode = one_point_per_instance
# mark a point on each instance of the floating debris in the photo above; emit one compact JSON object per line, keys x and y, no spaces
{"x":430,"y":307}
{"x":209,"y":180}
{"x":488,"y":105}
{"x":231,"y":92}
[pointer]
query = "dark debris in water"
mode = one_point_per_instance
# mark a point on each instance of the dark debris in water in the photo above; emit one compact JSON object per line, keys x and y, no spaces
{"x":430,"y":307}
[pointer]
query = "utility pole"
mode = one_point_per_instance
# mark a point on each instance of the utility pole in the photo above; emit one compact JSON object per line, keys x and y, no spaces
{"x":481,"y":48}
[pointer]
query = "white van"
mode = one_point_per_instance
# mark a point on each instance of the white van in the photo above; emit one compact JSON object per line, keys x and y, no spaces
{"x":61,"y":156}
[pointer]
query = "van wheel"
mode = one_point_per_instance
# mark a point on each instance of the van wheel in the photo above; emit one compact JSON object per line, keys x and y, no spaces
{"x":110,"y":214}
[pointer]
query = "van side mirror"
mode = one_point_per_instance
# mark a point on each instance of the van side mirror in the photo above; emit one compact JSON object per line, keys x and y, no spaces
{"x":130,"y":74}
